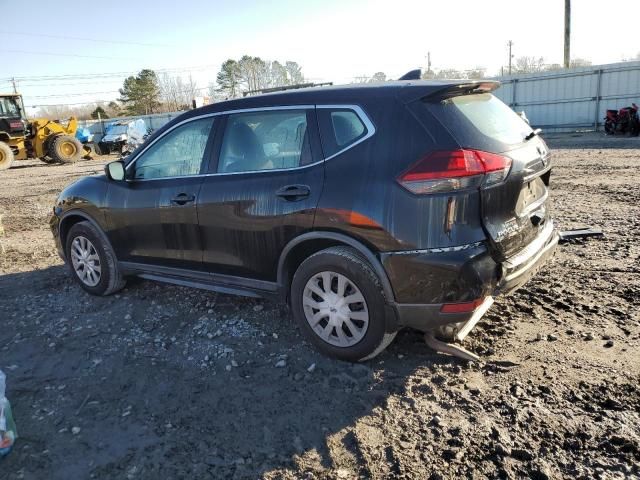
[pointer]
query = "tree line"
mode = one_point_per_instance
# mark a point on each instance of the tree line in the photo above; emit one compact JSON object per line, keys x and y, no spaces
{"x":148,"y":93}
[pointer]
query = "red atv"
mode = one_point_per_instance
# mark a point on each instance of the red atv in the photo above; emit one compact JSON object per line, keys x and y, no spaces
{"x":624,"y":120}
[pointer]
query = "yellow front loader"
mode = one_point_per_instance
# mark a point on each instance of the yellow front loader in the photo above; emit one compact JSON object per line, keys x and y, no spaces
{"x":50,"y":141}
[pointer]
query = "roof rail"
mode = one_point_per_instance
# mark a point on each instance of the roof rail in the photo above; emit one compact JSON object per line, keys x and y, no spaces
{"x":285,"y":87}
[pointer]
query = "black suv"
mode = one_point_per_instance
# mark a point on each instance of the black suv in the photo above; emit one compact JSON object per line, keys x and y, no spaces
{"x":367,"y":207}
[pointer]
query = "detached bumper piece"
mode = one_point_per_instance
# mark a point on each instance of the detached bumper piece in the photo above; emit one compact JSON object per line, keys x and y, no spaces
{"x":458,"y":332}
{"x":579,"y":233}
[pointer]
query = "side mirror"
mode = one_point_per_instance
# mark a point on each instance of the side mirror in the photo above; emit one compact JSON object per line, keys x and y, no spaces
{"x":115,"y":170}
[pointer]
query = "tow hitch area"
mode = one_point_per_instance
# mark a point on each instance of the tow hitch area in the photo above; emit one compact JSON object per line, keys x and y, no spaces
{"x":574,"y":234}
{"x":457,"y":332}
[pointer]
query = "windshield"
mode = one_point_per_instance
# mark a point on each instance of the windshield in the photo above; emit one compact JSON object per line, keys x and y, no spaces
{"x":9,"y":107}
{"x":481,"y":121}
{"x":117,"y":129}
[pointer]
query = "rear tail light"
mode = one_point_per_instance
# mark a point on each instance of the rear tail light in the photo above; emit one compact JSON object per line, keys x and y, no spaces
{"x":454,"y":170}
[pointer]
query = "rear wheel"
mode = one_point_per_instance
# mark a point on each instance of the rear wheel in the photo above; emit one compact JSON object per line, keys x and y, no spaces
{"x":92,"y":261}
{"x":339,"y":305}
{"x":6,"y":156}
{"x":66,"y":149}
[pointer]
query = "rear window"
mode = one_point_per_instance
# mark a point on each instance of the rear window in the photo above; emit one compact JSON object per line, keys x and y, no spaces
{"x":481,"y":121}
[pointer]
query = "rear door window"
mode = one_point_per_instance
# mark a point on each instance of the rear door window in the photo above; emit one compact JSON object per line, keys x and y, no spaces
{"x":339,"y":129}
{"x":269,"y":140}
{"x":480,"y":121}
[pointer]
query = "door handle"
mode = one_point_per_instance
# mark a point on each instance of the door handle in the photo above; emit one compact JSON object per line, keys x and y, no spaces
{"x":183,"y":199}
{"x":294,"y":192}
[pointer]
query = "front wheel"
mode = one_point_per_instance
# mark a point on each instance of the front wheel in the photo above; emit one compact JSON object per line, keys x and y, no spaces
{"x":339,"y":305}
{"x":92,"y":261}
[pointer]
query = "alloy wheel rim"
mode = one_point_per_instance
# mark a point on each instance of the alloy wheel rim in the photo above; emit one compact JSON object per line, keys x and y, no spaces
{"x":86,"y":261}
{"x":335,"y":309}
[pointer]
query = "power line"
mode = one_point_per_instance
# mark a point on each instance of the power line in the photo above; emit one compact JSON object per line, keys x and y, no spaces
{"x":67,"y":37}
{"x":67,"y":104}
{"x":27,"y":52}
{"x":106,"y":101}
{"x":72,"y":94}
{"x":87,"y":76}
{"x":74,"y":84}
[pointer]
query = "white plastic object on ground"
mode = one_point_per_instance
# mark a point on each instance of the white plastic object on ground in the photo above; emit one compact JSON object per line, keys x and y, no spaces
{"x":8,"y":433}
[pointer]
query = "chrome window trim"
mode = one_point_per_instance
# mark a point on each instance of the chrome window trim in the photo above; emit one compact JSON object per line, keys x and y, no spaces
{"x":356,"y":108}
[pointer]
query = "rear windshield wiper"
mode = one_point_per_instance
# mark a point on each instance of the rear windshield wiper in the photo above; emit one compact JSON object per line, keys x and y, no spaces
{"x":533,"y":133}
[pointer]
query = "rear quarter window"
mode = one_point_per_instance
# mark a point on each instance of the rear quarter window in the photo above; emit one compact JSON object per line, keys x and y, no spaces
{"x":339,"y":129}
{"x":480,"y":121}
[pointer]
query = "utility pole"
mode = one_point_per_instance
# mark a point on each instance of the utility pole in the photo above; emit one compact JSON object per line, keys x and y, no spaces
{"x":15,"y":88}
{"x":567,"y":33}
{"x":428,"y":62}
{"x":510,"y":44}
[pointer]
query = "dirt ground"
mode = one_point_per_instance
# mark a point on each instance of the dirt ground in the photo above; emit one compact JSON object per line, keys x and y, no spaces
{"x":165,"y":382}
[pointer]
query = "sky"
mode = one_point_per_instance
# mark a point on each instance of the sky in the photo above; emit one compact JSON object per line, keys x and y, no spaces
{"x":333,"y":40}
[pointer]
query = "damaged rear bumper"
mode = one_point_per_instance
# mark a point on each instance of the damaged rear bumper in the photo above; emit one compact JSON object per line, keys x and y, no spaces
{"x":426,"y":283}
{"x":518,"y":269}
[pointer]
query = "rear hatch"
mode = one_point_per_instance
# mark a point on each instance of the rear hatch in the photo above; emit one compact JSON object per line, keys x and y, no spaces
{"x":515,"y":210}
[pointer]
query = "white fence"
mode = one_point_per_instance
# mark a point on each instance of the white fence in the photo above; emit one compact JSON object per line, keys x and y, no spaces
{"x":574,"y":99}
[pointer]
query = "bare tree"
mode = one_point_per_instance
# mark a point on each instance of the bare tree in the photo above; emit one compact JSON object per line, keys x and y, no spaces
{"x":253,"y":73}
{"x":379,"y":77}
{"x":527,"y":64}
{"x":176,"y":93}
{"x":278,"y":75}
{"x":450,"y":73}
{"x":63,"y":112}
{"x":360,"y":79}
{"x":294,"y":73}
{"x":477,"y":72}
{"x":579,"y":62}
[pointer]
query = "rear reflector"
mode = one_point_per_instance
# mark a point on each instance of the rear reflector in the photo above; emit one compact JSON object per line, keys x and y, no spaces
{"x":464,"y":307}
{"x":446,"y":171}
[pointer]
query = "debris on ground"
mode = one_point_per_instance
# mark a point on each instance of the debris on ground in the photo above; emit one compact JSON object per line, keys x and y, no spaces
{"x":148,"y":377}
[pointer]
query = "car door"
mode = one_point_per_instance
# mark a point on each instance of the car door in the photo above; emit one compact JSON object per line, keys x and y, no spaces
{"x":153,"y":215}
{"x":261,"y":191}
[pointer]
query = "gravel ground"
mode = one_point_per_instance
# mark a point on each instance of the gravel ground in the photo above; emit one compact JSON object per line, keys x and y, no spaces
{"x":165,"y":382}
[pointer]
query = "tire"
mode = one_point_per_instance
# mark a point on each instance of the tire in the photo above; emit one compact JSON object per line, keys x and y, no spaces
{"x":363,"y":343}
{"x":6,"y":156}
{"x":94,"y":242}
{"x":96,"y":148}
{"x":608,"y":128}
{"x":66,"y":149}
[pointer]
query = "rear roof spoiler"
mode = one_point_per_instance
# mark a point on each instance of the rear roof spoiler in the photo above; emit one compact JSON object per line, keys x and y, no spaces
{"x":412,"y":75}
{"x":466,"y":88}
